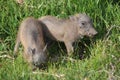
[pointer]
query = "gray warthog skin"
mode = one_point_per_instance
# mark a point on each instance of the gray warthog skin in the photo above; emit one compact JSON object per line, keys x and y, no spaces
{"x":31,"y":37}
{"x":68,"y":30}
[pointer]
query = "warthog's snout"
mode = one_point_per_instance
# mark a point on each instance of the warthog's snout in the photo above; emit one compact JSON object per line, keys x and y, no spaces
{"x":39,"y":57}
{"x":92,"y":32}
{"x":39,"y":60}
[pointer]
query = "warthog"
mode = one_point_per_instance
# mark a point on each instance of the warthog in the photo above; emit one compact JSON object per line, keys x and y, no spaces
{"x":31,"y":37}
{"x":68,"y":30}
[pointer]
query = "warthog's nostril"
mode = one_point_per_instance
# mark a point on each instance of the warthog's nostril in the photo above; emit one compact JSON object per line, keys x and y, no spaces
{"x":36,"y":63}
{"x":96,"y":33}
{"x":90,"y":34}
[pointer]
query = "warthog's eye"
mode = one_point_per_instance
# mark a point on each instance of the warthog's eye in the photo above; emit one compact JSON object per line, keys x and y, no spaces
{"x":31,"y":51}
{"x":83,"y":23}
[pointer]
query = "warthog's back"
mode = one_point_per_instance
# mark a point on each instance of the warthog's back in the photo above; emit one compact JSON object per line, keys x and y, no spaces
{"x":31,"y":33}
{"x":57,"y":28}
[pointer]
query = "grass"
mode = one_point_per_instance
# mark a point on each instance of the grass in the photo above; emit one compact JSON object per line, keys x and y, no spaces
{"x":103,"y":62}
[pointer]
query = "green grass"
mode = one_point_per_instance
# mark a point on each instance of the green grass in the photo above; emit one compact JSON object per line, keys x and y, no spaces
{"x":103,"y":62}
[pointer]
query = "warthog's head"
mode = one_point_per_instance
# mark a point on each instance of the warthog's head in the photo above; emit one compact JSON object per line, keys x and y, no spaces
{"x":38,"y":57}
{"x":84,"y":25}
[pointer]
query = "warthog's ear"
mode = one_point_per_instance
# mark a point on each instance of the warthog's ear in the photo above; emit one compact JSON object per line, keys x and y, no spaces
{"x":31,"y":51}
{"x":73,"y":18}
{"x":80,"y":15}
{"x":44,"y":49}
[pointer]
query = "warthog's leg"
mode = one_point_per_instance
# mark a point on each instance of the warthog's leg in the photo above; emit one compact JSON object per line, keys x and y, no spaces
{"x":16,"y":45}
{"x":69,"y":47}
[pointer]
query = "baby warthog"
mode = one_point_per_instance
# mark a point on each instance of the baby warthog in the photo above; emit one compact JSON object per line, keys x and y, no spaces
{"x":68,"y":30}
{"x":31,"y":37}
